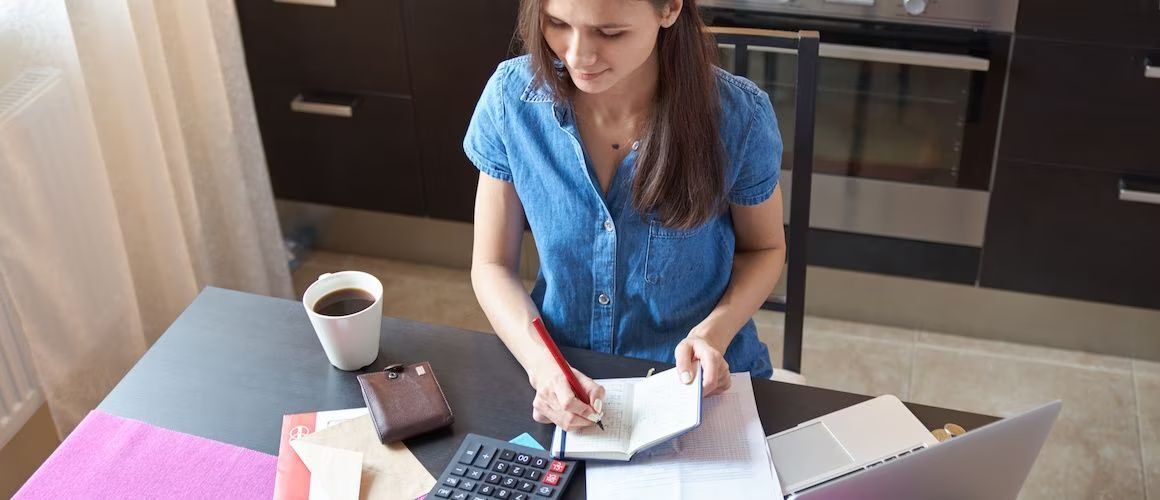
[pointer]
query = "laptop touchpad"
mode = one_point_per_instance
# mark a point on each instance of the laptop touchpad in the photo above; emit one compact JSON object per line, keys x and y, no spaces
{"x":806,"y":452}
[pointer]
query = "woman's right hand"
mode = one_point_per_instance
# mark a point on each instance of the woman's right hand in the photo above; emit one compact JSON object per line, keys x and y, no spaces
{"x":556,"y":404}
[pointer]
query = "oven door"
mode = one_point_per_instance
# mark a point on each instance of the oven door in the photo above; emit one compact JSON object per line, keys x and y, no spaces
{"x":906,"y":122}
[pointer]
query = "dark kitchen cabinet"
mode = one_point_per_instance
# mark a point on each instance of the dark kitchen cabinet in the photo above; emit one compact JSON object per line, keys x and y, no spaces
{"x":451,"y":58}
{"x":1082,"y":104}
{"x":1080,"y":120}
{"x":367,"y":160}
{"x":355,"y":46}
{"x":413,"y":70}
{"x":1067,"y":232}
{"x":332,"y":90}
{"x":1123,"y":22}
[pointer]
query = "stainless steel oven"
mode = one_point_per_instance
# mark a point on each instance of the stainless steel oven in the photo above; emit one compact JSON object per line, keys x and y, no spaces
{"x":910,"y":96}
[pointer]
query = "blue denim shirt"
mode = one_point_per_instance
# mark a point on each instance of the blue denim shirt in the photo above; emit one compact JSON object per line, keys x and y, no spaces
{"x":612,"y":279}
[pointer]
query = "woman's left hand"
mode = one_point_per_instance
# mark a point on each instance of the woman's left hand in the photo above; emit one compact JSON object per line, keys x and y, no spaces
{"x":694,"y":349}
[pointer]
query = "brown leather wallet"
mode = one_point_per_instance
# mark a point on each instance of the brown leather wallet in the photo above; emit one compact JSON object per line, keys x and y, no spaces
{"x":405,"y":401}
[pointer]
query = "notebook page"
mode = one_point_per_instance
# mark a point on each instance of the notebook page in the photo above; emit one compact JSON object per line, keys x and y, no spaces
{"x":617,"y":421}
{"x":662,"y":407}
{"x":725,"y":457}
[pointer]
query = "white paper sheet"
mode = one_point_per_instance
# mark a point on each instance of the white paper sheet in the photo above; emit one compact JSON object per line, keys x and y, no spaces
{"x":725,"y":457}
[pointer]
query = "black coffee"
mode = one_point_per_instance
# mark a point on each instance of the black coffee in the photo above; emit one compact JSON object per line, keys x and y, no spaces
{"x":343,"y":302}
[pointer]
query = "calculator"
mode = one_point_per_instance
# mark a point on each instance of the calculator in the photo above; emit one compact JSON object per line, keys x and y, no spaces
{"x":489,"y":469}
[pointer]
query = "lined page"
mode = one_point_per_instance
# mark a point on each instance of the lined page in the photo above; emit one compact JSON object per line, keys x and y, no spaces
{"x":662,"y":407}
{"x":617,"y":421}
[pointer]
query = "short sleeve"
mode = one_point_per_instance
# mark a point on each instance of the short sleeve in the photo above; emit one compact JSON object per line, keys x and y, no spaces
{"x":484,"y":143}
{"x":759,"y":161}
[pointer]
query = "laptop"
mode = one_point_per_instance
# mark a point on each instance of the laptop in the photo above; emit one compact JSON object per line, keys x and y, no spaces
{"x":845,"y":441}
{"x":990,"y":462}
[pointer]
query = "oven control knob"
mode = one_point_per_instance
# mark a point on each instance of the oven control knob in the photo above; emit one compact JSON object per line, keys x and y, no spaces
{"x":914,"y":7}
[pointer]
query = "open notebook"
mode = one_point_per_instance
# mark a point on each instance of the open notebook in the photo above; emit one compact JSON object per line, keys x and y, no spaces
{"x":638,"y":413}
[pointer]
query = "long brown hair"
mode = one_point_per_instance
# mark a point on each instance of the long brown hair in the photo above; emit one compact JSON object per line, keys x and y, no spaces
{"x":679,"y":175}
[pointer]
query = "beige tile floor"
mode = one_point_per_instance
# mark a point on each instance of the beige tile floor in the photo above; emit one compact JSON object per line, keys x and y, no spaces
{"x":1105,"y":445}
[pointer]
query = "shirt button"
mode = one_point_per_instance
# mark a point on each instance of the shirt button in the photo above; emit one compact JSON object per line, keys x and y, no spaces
{"x":603,"y":299}
{"x":609,"y":226}
{"x":635,"y":145}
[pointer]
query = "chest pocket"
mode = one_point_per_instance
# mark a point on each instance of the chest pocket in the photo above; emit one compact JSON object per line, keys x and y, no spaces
{"x":674,"y":255}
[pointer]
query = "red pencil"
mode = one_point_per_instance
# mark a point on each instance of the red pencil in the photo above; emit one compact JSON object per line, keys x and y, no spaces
{"x":577,"y":389}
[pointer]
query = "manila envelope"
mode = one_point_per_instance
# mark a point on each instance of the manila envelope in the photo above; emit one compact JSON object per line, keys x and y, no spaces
{"x":388,"y":472}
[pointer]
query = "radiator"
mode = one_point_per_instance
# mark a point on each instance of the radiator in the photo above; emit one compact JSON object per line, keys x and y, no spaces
{"x":20,"y":395}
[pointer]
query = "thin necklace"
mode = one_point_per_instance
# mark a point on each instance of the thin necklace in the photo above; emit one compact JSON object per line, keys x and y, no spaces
{"x":632,"y":139}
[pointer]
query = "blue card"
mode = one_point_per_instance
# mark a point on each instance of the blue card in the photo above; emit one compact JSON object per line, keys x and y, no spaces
{"x":526,"y":439}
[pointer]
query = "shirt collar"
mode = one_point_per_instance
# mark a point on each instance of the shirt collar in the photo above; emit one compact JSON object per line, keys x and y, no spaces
{"x":536,"y":93}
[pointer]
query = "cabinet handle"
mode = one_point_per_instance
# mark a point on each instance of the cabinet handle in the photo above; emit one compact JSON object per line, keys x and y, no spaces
{"x":1139,"y":190}
{"x":315,"y":3}
{"x":328,"y":107}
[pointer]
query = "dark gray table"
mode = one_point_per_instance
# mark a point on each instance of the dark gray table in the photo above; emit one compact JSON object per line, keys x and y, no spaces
{"x":233,"y":363}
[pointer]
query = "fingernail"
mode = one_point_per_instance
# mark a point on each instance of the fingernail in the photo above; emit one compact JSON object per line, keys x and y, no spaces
{"x":593,"y":417}
{"x":686,"y":377}
{"x":598,"y":406}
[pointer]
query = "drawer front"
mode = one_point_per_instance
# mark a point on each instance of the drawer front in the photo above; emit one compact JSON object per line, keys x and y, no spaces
{"x":317,"y":153}
{"x":355,"y":46}
{"x":1129,"y":22}
{"x":1086,"y":105}
{"x":1075,"y":233}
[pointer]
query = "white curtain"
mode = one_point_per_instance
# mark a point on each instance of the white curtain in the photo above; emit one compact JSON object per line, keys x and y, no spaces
{"x":169,"y":194}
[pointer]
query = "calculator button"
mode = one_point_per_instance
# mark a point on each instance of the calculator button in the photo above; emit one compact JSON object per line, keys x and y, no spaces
{"x":534,"y":474}
{"x":551,"y":479}
{"x":539,"y":462}
{"x":477,"y":497}
{"x":470,"y":453}
{"x":521,"y":496}
{"x":545,"y":491}
{"x":475,"y":474}
{"x":558,"y":466}
{"x":501,"y":467}
{"x":516,"y":471}
{"x":493,"y":478}
{"x":502,"y":494}
{"x":459,"y":470}
{"x":443,"y":492}
{"x":523,"y":459}
{"x":484,"y":459}
{"x":486,"y":490}
{"x":509,"y":482}
{"x":467,"y":485}
{"x":527,"y":486}
{"x":507,"y":455}
{"x":451,"y":481}
{"x":459,"y":495}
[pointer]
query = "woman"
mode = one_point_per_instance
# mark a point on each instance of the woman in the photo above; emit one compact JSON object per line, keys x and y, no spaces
{"x":649,"y":180}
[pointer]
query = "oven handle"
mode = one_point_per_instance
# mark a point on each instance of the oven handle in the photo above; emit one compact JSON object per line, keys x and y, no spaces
{"x":894,"y":56}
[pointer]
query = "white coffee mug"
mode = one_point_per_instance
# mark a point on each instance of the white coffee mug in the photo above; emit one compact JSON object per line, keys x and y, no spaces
{"x":351,"y":342}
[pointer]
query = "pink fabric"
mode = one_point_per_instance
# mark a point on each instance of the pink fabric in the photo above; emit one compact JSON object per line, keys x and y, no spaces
{"x":107,"y":456}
